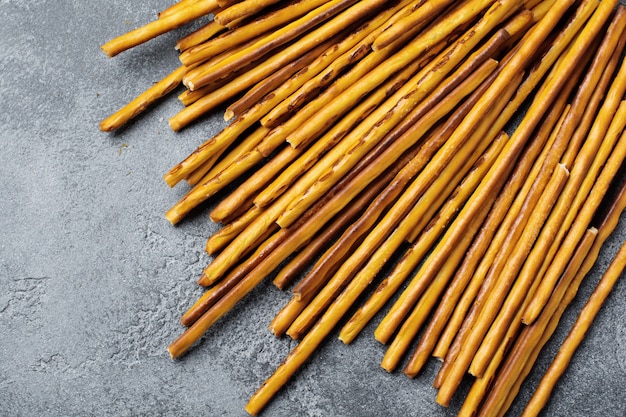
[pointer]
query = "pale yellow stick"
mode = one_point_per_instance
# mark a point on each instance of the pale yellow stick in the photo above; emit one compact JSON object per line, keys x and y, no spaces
{"x":158,"y":27}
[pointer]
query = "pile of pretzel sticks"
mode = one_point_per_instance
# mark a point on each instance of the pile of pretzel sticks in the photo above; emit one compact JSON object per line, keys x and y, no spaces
{"x":369,"y":136}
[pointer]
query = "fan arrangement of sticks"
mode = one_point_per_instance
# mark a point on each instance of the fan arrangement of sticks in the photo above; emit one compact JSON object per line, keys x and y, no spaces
{"x":375,"y":135}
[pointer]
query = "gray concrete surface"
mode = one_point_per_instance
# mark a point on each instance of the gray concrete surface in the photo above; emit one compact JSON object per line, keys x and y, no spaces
{"x":93,"y":279}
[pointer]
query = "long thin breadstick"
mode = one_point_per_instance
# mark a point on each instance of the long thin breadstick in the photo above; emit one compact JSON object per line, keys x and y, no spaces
{"x":145,"y":99}
{"x":199,"y":36}
{"x":177,"y":7}
{"x":242,"y":9}
{"x":158,"y":27}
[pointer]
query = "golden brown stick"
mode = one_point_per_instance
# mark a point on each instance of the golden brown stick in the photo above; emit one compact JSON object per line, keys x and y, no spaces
{"x":530,"y":340}
{"x":411,"y":24}
{"x":199,"y":36}
{"x":394,"y":216}
{"x":390,"y":284}
{"x":546,"y":62}
{"x":481,"y":385}
{"x":202,"y":76}
{"x":242,"y":9}
{"x":229,"y":134}
{"x":577,"y":334}
{"x":158,"y":27}
{"x":225,"y":235}
{"x":330,"y":231}
{"x":360,"y":140}
{"x":177,"y":7}
{"x":486,"y":322}
{"x":247,"y":32}
{"x":409,"y":296}
{"x":574,"y":232}
{"x":417,"y":47}
{"x":420,"y":313}
{"x":145,"y":99}
{"x":471,"y":273}
{"x":255,"y":94}
{"x":281,"y":164}
{"x":334,"y":68}
{"x":211,"y":296}
{"x":549,"y":89}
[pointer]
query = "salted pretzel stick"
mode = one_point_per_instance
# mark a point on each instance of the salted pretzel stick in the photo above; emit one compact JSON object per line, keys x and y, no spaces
{"x":245,"y":33}
{"x":242,"y":9}
{"x":145,"y":99}
{"x":576,"y":334}
{"x":158,"y":27}
{"x":411,"y":24}
{"x":537,"y":109}
{"x":230,"y":133}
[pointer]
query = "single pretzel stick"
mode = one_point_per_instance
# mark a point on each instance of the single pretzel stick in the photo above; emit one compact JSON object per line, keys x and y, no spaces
{"x":242,"y":9}
{"x":177,"y":7}
{"x":145,"y":99}
{"x":199,"y":36}
{"x":158,"y":27}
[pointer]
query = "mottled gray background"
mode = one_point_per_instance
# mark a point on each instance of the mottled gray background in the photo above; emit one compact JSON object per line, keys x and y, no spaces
{"x":93,"y":279}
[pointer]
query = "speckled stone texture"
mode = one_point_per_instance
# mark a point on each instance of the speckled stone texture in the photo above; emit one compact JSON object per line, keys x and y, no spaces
{"x":93,"y":278}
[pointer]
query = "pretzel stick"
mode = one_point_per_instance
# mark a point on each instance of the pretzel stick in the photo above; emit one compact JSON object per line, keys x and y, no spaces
{"x":226,"y":234}
{"x":145,"y":99}
{"x":242,"y":9}
{"x":464,"y":286}
{"x":481,"y":385}
{"x":212,"y":295}
{"x":415,"y":320}
{"x":407,"y":299}
{"x":577,"y":334}
{"x":533,"y":337}
{"x":537,"y":108}
{"x":274,"y":39}
{"x":535,"y":76}
{"x":337,"y":166}
{"x":410,"y":25}
{"x":275,"y":80}
{"x":349,"y":56}
{"x":264,"y":24}
{"x":158,"y":27}
{"x":485,"y":330}
{"x":575,"y":194}
{"x":177,"y":7}
{"x":390,"y":284}
{"x":199,"y":36}
{"x":282,"y":161}
{"x":249,"y":117}
{"x":371,"y":80}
